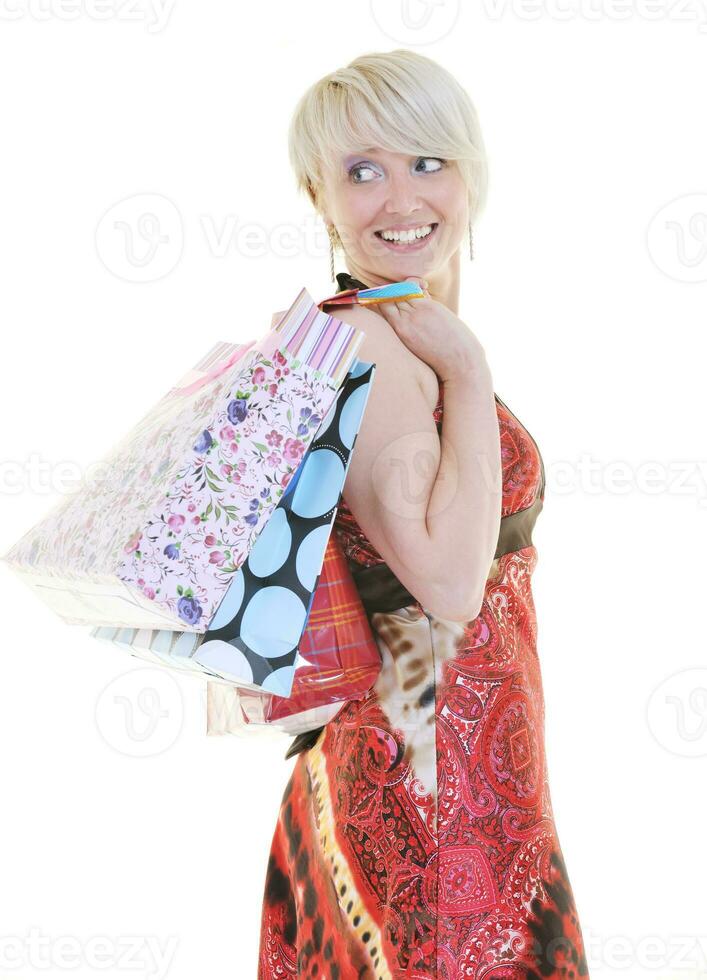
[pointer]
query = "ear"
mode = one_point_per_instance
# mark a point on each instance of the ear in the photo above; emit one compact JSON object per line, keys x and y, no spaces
{"x":318,"y":199}
{"x":312,"y":192}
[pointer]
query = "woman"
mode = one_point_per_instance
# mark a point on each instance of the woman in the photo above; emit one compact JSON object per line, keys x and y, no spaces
{"x":416,"y":836}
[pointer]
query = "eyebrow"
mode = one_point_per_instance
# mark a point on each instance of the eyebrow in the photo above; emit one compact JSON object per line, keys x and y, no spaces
{"x":363,"y":152}
{"x":372,"y":149}
{"x":354,"y":158}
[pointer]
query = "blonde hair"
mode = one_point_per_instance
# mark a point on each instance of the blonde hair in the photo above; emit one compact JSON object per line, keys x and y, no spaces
{"x":398,"y":100}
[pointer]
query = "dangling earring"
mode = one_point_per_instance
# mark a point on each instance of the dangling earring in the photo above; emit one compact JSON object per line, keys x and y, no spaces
{"x":332,"y":270}
{"x":471,"y":242}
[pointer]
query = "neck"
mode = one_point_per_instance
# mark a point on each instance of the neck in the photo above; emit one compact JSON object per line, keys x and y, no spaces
{"x":442,"y":285}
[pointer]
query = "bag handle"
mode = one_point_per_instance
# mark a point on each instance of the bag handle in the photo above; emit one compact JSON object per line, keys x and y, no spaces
{"x":390,"y":292}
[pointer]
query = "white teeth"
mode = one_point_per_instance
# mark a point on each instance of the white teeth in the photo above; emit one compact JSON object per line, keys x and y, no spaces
{"x":407,"y":236}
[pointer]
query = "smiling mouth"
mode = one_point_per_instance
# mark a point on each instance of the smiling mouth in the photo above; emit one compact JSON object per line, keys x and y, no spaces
{"x":414,"y":237}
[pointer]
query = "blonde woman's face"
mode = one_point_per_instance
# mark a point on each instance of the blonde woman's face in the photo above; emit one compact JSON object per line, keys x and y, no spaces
{"x":397,"y":215}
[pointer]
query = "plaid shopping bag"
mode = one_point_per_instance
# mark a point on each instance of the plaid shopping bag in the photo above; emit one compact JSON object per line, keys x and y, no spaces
{"x":338,"y":661}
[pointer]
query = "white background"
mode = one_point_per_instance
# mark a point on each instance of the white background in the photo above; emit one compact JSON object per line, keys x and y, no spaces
{"x":589,"y":299}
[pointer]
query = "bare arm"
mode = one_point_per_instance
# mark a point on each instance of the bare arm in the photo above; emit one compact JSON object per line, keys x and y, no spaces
{"x":430,"y":507}
{"x":464,"y":510}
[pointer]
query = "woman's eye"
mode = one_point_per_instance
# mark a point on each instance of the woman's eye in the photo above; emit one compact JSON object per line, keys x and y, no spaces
{"x":360,"y":168}
{"x":435,"y":160}
{"x":362,"y":173}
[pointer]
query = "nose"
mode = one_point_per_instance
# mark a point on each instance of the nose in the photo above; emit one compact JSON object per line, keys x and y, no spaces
{"x":403,"y":195}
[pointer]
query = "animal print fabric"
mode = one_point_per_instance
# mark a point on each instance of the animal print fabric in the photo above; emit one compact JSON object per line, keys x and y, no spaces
{"x":416,"y":836}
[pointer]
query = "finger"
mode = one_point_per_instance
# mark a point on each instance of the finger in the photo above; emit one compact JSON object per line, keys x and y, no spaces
{"x":390,"y":312}
{"x":421,"y":282}
{"x":406,"y":306}
{"x":395,"y":315}
{"x":412,"y":305}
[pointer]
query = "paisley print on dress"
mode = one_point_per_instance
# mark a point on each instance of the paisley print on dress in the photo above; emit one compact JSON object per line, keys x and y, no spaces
{"x":416,"y":836}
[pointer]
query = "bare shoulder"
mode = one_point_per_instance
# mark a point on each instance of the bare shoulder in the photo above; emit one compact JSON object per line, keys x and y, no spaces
{"x":397,"y":455}
{"x":383,"y":346}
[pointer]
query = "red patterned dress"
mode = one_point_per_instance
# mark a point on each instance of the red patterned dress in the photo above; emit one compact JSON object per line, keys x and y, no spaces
{"x":416,"y":836}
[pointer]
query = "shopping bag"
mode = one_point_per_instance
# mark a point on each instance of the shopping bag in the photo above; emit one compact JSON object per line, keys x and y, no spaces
{"x":188,"y":491}
{"x":259,"y":628}
{"x":338,"y":661}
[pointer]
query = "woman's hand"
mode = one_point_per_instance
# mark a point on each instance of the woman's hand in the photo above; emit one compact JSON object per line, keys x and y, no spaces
{"x":434,"y":334}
